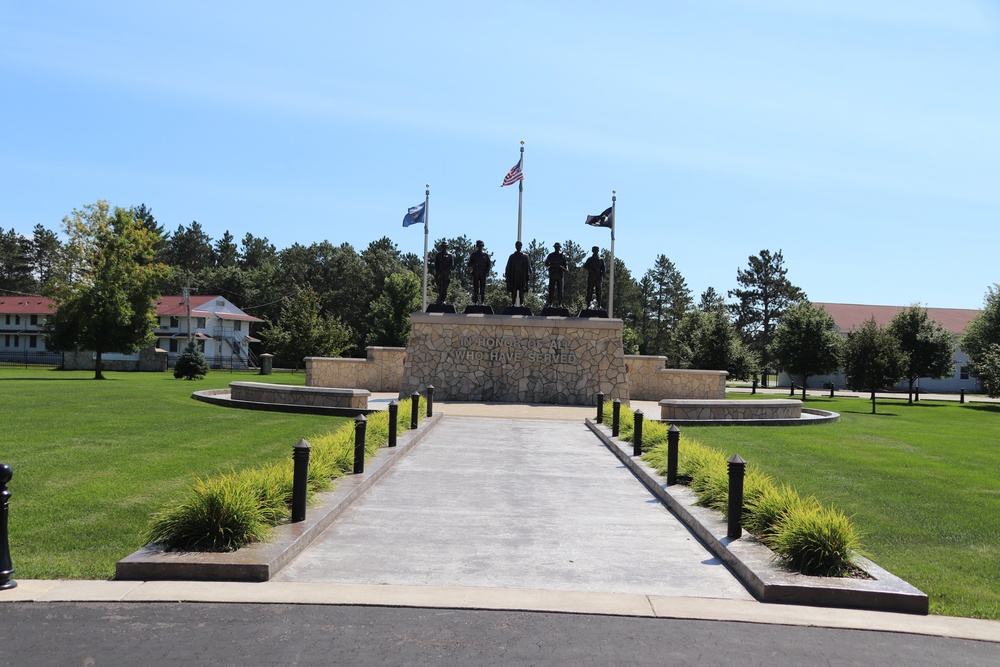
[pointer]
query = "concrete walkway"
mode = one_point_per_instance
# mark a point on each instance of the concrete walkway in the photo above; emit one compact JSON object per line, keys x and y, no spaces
{"x":507,"y":503}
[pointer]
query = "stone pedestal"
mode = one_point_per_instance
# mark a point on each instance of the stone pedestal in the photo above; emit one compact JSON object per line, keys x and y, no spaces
{"x":515,"y":359}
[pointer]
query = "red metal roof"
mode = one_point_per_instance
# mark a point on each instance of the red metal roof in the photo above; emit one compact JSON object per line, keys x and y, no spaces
{"x":174,"y":305}
{"x":850,"y":316}
{"x":27,"y":305}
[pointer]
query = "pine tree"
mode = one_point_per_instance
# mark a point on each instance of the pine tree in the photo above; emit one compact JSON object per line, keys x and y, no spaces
{"x":191,"y":365}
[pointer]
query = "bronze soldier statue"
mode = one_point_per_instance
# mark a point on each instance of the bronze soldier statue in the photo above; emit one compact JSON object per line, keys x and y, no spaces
{"x":558,"y":268}
{"x":480,"y":265}
{"x":444,"y":261}
{"x":518,"y":275}
{"x":594,"y":266}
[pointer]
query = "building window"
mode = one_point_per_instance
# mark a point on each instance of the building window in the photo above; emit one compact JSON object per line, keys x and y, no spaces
{"x":175,"y":323}
{"x":200,"y":323}
{"x":6,"y":339}
{"x":201,"y":346}
{"x":17,"y":340}
{"x":17,"y":319}
{"x":237,"y":326}
{"x":173,"y":344}
{"x":33,"y":341}
{"x":963,"y":374}
{"x":34,"y":322}
{"x":8,"y":319}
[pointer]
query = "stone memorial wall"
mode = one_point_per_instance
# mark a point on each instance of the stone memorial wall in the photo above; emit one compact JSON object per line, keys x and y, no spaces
{"x":515,"y":359}
{"x":649,"y":380}
{"x":381,"y":371}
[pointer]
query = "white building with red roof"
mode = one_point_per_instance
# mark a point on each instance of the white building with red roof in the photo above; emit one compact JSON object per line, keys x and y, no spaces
{"x":850,"y":316}
{"x":22,"y":325}
{"x":220,"y":328}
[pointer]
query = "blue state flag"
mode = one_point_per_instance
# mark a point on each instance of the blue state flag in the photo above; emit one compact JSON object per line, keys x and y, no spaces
{"x":414,"y":215}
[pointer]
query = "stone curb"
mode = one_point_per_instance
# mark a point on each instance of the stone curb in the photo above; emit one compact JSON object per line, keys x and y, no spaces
{"x":262,"y":560}
{"x":757,"y":566}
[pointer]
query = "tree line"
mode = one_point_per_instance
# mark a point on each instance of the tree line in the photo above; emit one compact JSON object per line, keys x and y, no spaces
{"x":324,"y":299}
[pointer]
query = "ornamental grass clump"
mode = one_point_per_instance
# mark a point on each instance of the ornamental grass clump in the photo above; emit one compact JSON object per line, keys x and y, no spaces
{"x":234,"y":509}
{"x":807,"y":537}
{"x":816,"y":540}
{"x":223,"y":514}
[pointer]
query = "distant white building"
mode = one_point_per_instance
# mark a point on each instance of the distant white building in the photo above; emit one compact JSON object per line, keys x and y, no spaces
{"x":22,"y":325}
{"x":220,"y":329}
{"x":850,"y":316}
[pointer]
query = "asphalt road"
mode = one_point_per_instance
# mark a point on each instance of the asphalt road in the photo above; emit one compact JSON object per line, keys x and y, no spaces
{"x":251,"y":635}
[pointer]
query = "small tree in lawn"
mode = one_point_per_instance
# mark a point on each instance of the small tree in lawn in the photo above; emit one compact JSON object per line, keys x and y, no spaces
{"x":191,"y":365}
{"x":872,"y":359}
{"x":982,"y":341}
{"x":806,"y":342}
{"x":928,"y":346}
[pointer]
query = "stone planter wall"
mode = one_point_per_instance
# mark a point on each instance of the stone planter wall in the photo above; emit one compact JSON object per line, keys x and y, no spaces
{"x":686,"y":410}
{"x":515,"y":359}
{"x":281,"y":394}
{"x":650,"y":381}
{"x":381,"y":371}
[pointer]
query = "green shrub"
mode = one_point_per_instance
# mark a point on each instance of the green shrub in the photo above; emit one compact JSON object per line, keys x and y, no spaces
{"x":816,"y":540}
{"x":223,"y":514}
{"x":809,"y":538}
{"x":234,"y":509}
{"x":766,"y":512}
{"x":191,"y":364}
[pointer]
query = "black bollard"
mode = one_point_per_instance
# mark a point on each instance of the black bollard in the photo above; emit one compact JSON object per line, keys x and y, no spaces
{"x":300,"y":480}
{"x":916,"y":395}
{"x":961,"y":396}
{"x":831,"y":390}
{"x":737,"y":468}
{"x":803,"y":392}
{"x":414,"y":409}
{"x":360,"y":426}
{"x":791,"y":392}
{"x":393,"y":422}
{"x":600,"y":407}
{"x":673,"y":439}
{"x":616,"y":414}
{"x":6,"y":567}
{"x":430,"y":400}
{"x":637,"y":434}
{"x":754,"y":390}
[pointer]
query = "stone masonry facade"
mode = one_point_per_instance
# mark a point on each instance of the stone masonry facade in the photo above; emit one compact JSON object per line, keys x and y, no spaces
{"x":671,"y":409}
{"x":381,"y":371}
{"x":650,"y":381}
{"x":515,"y":359}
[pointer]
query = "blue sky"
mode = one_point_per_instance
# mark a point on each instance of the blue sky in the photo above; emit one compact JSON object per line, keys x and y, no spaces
{"x":859,"y":138}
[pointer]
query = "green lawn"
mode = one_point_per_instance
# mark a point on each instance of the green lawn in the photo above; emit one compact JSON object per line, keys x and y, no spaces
{"x":921,"y":482}
{"x":93,"y":459}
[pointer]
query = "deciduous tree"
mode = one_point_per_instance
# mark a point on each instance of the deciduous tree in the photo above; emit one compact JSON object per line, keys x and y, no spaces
{"x":982,"y":334}
{"x":105,"y":285}
{"x":872,"y":359}
{"x":928,"y":346}
{"x":302,"y":330}
{"x":806,"y":342}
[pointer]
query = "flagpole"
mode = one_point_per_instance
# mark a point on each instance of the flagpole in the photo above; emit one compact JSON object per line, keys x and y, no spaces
{"x":520,"y":194}
{"x":427,"y":205}
{"x":611,"y":287}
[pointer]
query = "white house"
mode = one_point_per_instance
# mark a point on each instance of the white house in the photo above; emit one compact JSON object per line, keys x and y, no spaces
{"x":850,"y":316}
{"x":221,"y":329}
{"x":22,"y":324}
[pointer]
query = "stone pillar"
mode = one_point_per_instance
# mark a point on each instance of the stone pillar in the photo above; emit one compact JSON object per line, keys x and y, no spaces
{"x":266,"y":363}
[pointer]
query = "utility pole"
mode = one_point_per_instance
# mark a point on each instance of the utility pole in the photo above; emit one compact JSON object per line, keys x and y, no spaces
{"x":187,"y":302}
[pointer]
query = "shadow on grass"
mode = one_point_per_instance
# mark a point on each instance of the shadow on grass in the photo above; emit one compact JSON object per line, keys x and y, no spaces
{"x":44,"y":379}
{"x":984,"y":407}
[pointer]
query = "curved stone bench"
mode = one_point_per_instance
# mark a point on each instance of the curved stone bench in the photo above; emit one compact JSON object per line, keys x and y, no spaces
{"x":282,"y":394}
{"x":682,"y":409}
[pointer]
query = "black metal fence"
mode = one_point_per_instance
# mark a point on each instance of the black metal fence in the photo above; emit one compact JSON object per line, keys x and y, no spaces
{"x":230,"y":363}
{"x":27,"y":358}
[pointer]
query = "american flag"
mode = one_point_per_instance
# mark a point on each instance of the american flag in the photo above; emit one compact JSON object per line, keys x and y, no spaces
{"x":514,"y":175}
